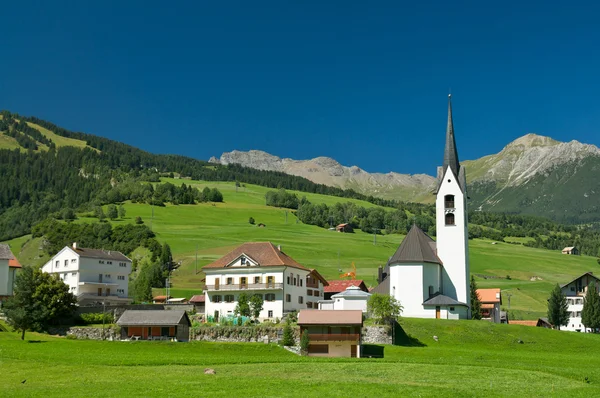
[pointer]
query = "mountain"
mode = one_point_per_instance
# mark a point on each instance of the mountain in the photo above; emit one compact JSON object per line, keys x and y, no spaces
{"x":327,"y":171}
{"x":532,"y":175}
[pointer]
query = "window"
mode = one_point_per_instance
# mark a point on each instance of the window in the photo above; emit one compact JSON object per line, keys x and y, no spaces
{"x":58,"y":262}
{"x":449,"y":201}
{"x":257,"y":279}
{"x":288,"y":278}
{"x":107,"y":276}
{"x":73,"y":260}
{"x":229,"y":298}
{"x":121,"y":291}
{"x":72,"y":287}
{"x":243,"y":260}
{"x":216,"y":298}
{"x":121,"y":277}
{"x":300,"y":300}
{"x":309,"y":292}
{"x":230,"y":281}
{"x":450,"y":219}
{"x":451,"y":308}
{"x":318,"y":349}
{"x":300,"y":282}
{"x":109,"y":262}
{"x":270,"y":314}
{"x":308,"y":304}
{"x":288,"y":298}
{"x":73,"y":273}
{"x":66,"y":263}
{"x":270,"y":297}
{"x":271,"y":281}
{"x":243,"y":281}
{"x":572,"y":288}
{"x":122,"y":264}
{"x":430,"y":291}
{"x":101,"y":261}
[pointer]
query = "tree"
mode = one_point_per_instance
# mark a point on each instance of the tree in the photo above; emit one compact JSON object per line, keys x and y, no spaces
{"x":143,"y":285}
{"x":288,"y":334}
{"x":138,"y":220}
{"x":256,"y":305}
{"x":590,"y":315}
{"x":243,"y":305}
{"x":68,"y":214}
{"x":251,"y":220}
{"x":558,"y":314}
{"x":112,"y":212}
{"x":304,"y":342}
{"x":384,"y":308}
{"x":39,"y":300}
{"x":475,"y":301}
{"x":122,"y":211}
{"x":99,"y":213}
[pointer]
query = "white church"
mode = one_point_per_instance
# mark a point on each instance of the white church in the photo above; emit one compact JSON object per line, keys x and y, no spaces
{"x":431,"y":278}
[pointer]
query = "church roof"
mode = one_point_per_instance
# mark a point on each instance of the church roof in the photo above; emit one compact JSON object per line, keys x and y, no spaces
{"x":382,"y":288}
{"x":450,"y":152}
{"x":417,"y":247}
{"x":440,"y":299}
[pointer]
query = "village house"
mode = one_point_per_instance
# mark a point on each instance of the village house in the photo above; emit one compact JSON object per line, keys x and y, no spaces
{"x":8,"y":270}
{"x":575,"y":292}
{"x":339,"y":285}
{"x":155,"y":325}
{"x":261,"y":268}
{"x":332,"y":333}
{"x":198,"y":301}
{"x":353,"y":298}
{"x":431,"y":278}
{"x":93,"y":275}
{"x":491,"y":300}
{"x":570,"y":250}
{"x":344,"y":228}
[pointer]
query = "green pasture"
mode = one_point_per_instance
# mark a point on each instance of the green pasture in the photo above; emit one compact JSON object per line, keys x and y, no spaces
{"x":471,"y":358}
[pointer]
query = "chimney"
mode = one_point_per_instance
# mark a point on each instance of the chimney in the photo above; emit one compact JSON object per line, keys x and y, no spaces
{"x":279,"y":247}
{"x":74,"y":245}
{"x":379,"y":274}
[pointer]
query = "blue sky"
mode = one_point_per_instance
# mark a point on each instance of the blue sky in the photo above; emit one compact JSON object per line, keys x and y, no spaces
{"x":363,"y":82}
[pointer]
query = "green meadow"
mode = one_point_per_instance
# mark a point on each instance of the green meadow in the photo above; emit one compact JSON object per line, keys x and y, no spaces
{"x":470,"y":358}
{"x":214,"y":229}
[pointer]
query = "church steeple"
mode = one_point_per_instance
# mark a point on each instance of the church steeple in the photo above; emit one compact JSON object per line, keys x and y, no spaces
{"x":450,"y":153}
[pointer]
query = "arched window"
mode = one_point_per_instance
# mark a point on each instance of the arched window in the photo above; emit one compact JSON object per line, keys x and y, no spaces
{"x":450,"y":219}
{"x":449,"y":201}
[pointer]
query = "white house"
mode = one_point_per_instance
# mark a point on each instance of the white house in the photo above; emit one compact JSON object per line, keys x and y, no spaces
{"x":353,"y":298}
{"x":261,"y":268}
{"x":8,"y":269}
{"x":93,"y":275}
{"x":575,"y":292}
{"x":429,"y":278}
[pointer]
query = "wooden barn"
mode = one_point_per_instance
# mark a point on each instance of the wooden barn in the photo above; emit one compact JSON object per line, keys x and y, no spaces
{"x":155,"y":325}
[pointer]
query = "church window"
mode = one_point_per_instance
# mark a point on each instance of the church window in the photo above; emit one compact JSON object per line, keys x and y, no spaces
{"x":450,"y":219}
{"x":430,"y":291}
{"x":449,"y":201}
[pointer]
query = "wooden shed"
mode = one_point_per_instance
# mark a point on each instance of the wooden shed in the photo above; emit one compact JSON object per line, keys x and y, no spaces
{"x":155,"y":325}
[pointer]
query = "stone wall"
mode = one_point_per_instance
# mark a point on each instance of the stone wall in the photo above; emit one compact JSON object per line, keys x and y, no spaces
{"x":110,"y":332}
{"x":377,"y":335}
{"x":234,"y":334}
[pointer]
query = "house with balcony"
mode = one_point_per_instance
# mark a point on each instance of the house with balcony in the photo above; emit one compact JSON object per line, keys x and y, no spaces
{"x":491,"y":300}
{"x":332,"y":333}
{"x":260,"y":268}
{"x":575,"y":292}
{"x":8,"y":270}
{"x":93,"y":275}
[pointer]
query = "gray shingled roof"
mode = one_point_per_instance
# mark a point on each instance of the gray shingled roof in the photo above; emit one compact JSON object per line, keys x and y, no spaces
{"x":417,"y":247}
{"x":450,"y":152}
{"x":352,"y":292}
{"x":382,"y":288}
{"x":101,"y":254}
{"x":589,"y":273}
{"x":152,"y":318}
{"x":440,"y":299}
{"x":5,"y":253}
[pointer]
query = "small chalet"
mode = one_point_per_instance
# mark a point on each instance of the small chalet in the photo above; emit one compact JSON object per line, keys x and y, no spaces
{"x":571,"y":250}
{"x":332,"y":333}
{"x":198,"y":301}
{"x":339,"y":285}
{"x":491,"y":300}
{"x":155,"y":325}
{"x":344,"y":228}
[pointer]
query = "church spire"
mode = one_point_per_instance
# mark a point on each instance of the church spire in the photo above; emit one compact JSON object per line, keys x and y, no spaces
{"x":450,"y":153}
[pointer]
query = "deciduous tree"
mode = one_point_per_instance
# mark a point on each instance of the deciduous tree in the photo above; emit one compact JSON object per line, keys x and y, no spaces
{"x":256,"y":305}
{"x":384,"y":308}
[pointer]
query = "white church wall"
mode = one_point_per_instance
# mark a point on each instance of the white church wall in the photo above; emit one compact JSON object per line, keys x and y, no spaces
{"x":405,"y":287}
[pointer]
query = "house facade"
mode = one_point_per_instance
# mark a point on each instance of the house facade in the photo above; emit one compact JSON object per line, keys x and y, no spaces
{"x":93,"y":275}
{"x":155,"y":325}
{"x":332,"y":333}
{"x":260,"y":268}
{"x":491,"y":300}
{"x":572,"y":250}
{"x":575,"y":292}
{"x":8,"y":270}
{"x":431,"y":278}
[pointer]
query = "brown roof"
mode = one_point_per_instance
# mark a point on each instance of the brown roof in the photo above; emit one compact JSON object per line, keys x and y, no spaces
{"x":417,"y":247}
{"x":320,"y":277}
{"x":339,"y":285}
{"x":101,"y":254}
{"x":198,"y":298}
{"x":489,"y":295}
{"x":523,"y":323}
{"x":581,"y":276}
{"x":264,"y":253}
{"x":382,"y":288}
{"x":160,"y":298}
{"x":330,"y":317}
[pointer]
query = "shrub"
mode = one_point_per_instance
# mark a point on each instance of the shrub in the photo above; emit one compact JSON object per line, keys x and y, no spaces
{"x":251,"y":220}
{"x":288,"y":335}
{"x":304,"y":342}
{"x":138,"y":220}
{"x":71,"y":337}
{"x":97,"y":317}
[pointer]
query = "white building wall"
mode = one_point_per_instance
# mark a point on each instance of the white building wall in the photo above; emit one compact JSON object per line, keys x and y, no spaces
{"x":452,"y":240}
{"x":405,"y":286}
{"x":575,"y":308}
{"x":4,"y":278}
{"x":346,"y":303}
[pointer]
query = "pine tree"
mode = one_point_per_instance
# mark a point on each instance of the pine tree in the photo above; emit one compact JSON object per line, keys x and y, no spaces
{"x":475,"y":301}
{"x":288,"y":335}
{"x":590,"y":315}
{"x":558,"y":314}
{"x":304,"y":342}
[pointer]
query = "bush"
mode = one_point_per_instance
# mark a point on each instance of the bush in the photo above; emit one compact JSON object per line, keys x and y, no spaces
{"x":288,"y":335}
{"x":251,"y":220}
{"x":97,"y":317}
{"x":138,"y":220}
{"x":71,"y":337}
{"x":304,"y":343}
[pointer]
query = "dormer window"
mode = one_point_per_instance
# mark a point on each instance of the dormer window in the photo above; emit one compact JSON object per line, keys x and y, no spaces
{"x":449,"y":202}
{"x":243,"y":260}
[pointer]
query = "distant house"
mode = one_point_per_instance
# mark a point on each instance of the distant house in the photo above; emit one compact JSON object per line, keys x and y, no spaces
{"x":490,"y":299}
{"x":339,"y":285}
{"x":159,"y":299}
{"x":8,"y":269}
{"x":344,"y":228}
{"x":332,"y":333}
{"x":353,"y":298}
{"x":541,"y":323}
{"x":575,"y":292}
{"x":93,"y":275}
{"x":571,"y":250}
{"x":198,"y":301}
{"x":155,"y":325}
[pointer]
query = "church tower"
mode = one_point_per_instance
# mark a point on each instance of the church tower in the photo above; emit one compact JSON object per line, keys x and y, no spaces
{"x":451,"y":220}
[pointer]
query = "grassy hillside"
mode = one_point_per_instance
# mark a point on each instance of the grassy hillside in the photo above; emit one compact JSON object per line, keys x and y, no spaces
{"x":470,"y":359}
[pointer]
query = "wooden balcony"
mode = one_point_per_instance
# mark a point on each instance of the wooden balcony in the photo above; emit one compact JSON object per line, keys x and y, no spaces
{"x":334,"y":337}
{"x":247,"y":286}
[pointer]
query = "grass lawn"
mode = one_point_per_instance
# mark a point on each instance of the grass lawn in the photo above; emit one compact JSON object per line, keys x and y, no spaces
{"x":471,"y":359}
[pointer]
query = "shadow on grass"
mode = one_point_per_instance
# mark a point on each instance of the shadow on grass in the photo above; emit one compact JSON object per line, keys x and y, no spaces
{"x":403,"y":339}
{"x":372,"y":351}
{"x":36,"y":341}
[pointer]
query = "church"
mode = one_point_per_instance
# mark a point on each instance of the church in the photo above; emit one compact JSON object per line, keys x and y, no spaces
{"x":431,"y":278}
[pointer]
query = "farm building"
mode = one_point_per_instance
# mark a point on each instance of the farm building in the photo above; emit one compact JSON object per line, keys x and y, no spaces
{"x":198,"y":301}
{"x":332,"y":333}
{"x":344,"y":228}
{"x":155,"y":325}
{"x":571,"y":250}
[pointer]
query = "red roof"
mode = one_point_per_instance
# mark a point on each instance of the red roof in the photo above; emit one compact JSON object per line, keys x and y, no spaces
{"x":339,"y":285}
{"x":489,"y":295}
{"x":264,"y":253}
{"x":14,"y":263}
{"x":198,"y":298}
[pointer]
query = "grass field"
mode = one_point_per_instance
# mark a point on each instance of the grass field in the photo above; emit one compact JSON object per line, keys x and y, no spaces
{"x":217,"y":228}
{"x":470,"y":359}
